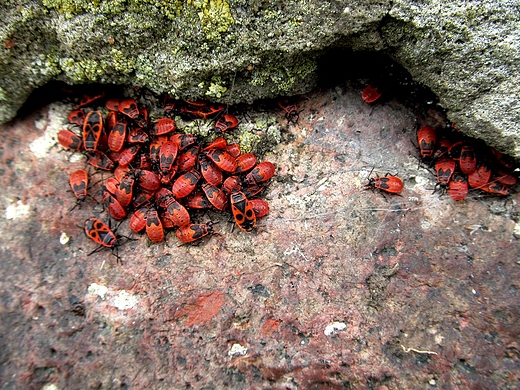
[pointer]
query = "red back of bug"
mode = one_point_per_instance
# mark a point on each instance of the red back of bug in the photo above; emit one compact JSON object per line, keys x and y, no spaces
{"x":388,"y":183}
{"x":260,"y":207}
{"x":261,"y":173}
{"x":147,"y":180}
{"x":113,"y":104}
{"x":124,"y":191}
{"x":137,"y":136}
{"x":100,"y":233}
{"x":193,"y":232}
{"x":69,"y":140}
{"x":111,"y":185}
{"x":233,"y":150}
{"x":495,"y":188}
{"x":216,"y":196}
{"x":505,"y":178}
{"x":426,"y":137}
{"x":444,"y":168}
{"x":138,"y":220}
{"x":245,"y":162}
{"x":113,"y":206}
{"x":167,"y":156}
{"x":163,"y":126}
{"x":79,"y":183}
{"x":77,"y":117}
{"x":480,"y":177}
{"x":231,"y":184}
{"x":222,"y":159}
{"x":370,"y":94}
{"x":211,"y":173}
{"x":226,"y":122}
{"x":242,"y":211}
{"x":154,"y":228}
{"x":117,"y":136}
{"x":100,"y":160}
{"x":458,"y":187}
{"x":183,"y":140}
{"x":468,"y":161}
{"x":188,"y":158}
{"x":176,"y":212}
{"x":129,"y":108}
{"x":128,"y":154}
{"x":92,"y":129}
{"x":197,"y":200}
{"x":217,"y":143}
{"x":185,"y":184}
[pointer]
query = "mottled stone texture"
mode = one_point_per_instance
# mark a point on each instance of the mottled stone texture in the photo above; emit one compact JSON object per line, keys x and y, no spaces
{"x":237,"y":51}
{"x":338,"y":288}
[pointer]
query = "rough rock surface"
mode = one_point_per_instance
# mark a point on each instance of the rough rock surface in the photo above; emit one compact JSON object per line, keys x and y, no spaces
{"x":338,"y":288}
{"x":238,"y":51}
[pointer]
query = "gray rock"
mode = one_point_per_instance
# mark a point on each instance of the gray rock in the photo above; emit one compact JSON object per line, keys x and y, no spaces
{"x":238,"y":51}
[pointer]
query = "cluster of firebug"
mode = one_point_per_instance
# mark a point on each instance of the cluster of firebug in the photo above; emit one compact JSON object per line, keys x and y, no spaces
{"x":463,"y":164}
{"x":460,"y":163}
{"x":161,"y":176}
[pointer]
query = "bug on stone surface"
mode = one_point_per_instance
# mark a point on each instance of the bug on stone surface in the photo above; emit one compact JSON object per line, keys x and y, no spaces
{"x":387,"y":183}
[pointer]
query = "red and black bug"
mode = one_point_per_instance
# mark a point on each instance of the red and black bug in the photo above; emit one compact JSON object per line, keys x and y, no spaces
{"x":163,"y":126}
{"x":444,"y":168}
{"x":233,"y":150}
{"x":77,"y":117}
{"x":183,"y":140}
{"x":176,"y":212}
{"x":290,"y":108}
{"x":188,"y":158}
{"x":217,"y":143}
{"x":100,"y":233}
{"x":117,"y":136}
{"x":137,"y":136}
{"x":261,"y":173}
{"x":124,"y":191}
{"x":216,"y":196}
{"x":222,"y":159}
{"x":129,"y":108}
{"x":426,"y":137}
{"x":242,"y":211}
{"x":458,"y":187}
{"x":78,"y":181}
{"x":480,"y":176}
{"x":154,"y":228}
{"x":260,"y":207}
{"x":197,"y":200}
{"x":193,"y":232}
{"x":138,"y":220}
{"x":70,"y":141}
{"x":370,"y":94}
{"x":226,"y":122}
{"x":185,"y":184}
{"x":92,"y":129}
{"x":113,"y":206}
{"x":100,"y":160}
{"x":245,"y":162}
{"x":128,"y":154}
{"x":388,"y":183}
{"x":232,"y":183}
{"x":495,"y":189}
{"x":167,"y":156}
{"x":468,"y":160}
{"x":147,"y":180}
{"x":210,"y":172}
{"x":113,"y":104}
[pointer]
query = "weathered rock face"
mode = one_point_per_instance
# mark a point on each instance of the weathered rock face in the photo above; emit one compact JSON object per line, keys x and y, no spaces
{"x":237,"y":51}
